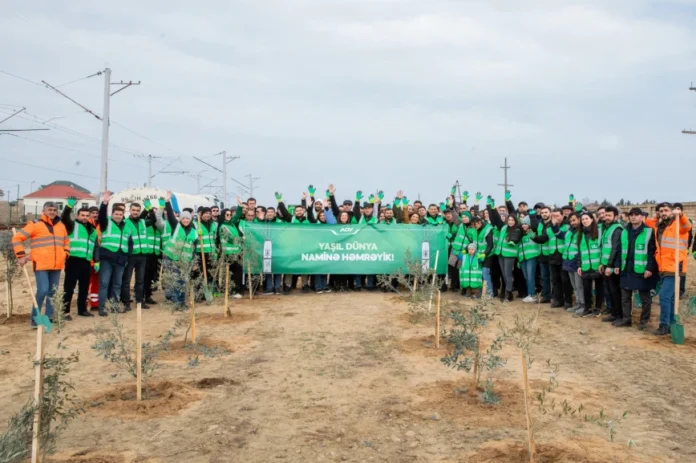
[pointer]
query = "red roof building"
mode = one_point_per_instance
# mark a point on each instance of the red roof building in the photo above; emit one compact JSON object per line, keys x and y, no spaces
{"x":58,"y":192}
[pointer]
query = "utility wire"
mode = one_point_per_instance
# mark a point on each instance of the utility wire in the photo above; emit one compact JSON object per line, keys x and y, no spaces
{"x":78,"y":80}
{"x":59,"y":171}
{"x":21,"y":78}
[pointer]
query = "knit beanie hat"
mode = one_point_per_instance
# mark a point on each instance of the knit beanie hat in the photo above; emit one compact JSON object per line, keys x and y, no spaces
{"x":526,"y":221}
{"x":185,"y":215}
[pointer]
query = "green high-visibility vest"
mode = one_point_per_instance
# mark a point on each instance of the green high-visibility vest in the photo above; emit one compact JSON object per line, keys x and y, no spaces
{"x":82,"y":242}
{"x":181,"y":245}
{"x":496,"y":238}
{"x":166,"y":236}
{"x":606,"y":243}
{"x":297,"y":221}
{"x":372,"y":220}
{"x":479,"y":237}
{"x":640,"y":250}
{"x":552,"y":245}
{"x":461,"y":240}
{"x":154,"y":236}
{"x":505,"y":248}
{"x":141,"y":242}
{"x":230,"y":239}
{"x":208,"y":237}
{"x":570,"y":245}
{"x":528,"y":249}
{"x":470,"y":273}
{"x":590,"y":254}
{"x":115,"y":238}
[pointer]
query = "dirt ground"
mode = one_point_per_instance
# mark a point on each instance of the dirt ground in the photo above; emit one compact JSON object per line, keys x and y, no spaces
{"x":347,"y":377}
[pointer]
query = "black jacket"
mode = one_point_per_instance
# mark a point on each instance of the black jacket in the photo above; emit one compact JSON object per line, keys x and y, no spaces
{"x":590,"y":274}
{"x":629,"y":278}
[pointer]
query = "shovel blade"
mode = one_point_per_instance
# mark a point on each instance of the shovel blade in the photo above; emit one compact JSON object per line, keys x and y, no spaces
{"x":677,"y":331}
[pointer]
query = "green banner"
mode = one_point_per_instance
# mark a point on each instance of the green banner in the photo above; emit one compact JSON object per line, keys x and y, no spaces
{"x":342,"y":249}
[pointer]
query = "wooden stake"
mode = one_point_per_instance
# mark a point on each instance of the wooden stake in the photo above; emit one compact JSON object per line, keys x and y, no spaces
{"x":415,"y":285}
{"x":139,"y":352}
{"x":437,"y":321}
{"x":677,"y":278}
{"x":530,"y":433}
{"x":38,"y":374}
{"x":193,"y":315}
{"x":7,"y":291}
{"x":227,"y":290}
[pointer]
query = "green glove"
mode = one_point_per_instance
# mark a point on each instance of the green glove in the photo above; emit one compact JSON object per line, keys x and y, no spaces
{"x":482,"y":256}
{"x":200,"y":232}
{"x":694,"y":254}
{"x":71,"y":202}
{"x":508,"y":195}
{"x":404,"y":201}
{"x":453,"y":190}
{"x":371,"y":198}
{"x":397,"y":202}
{"x":162,"y":203}
{"x":571,"y":198}
{"x":43,"y":320}
{"x":96,"y":267}
{"x":578,"y":207}
{"x":278,"y":196}
{"x":479,"y":196}
{"x":439,"y":219}
{"x":147,"y":204}
{"x":489,"y":201}
{"x":532,"y":212}
{"x":328,"y":194}
{"x":311,"y":190}
{"x":465,"y":196}
{"x":358,"y":195}
{"x":380,"y":195}
{"x":443,"y":207}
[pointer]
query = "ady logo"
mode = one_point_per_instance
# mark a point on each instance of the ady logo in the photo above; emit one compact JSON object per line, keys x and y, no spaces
{"x":346,"y":230}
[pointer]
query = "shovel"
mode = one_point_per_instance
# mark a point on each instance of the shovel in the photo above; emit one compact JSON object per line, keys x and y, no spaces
{"x":207,"y":293}
{"x":677,"y":329}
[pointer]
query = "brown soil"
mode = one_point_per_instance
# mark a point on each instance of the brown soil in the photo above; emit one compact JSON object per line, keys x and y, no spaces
{"x":15,"y":319}
{"x":164,"y":398}
{"x":179,"y":351}
{"x":220,"y":319}
{"x":347,"y":377}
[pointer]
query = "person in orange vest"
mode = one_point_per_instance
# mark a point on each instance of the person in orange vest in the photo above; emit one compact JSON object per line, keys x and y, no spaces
{"x":667,"y":242}
{"x":50,"y":247}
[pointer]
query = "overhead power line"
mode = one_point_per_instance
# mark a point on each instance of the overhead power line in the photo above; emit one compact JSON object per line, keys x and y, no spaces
{"x":57,"y":170}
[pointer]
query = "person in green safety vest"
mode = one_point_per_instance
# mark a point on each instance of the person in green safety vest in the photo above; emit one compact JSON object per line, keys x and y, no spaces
{"x":297,"y":217}
{"x":552,"y":249}
{"x":470,"y":273}
{"x":368,"y":215}
{"x":208,"y":236}
{"x":638,"y":265}
{"x":610,"y":263}
{"x":230,"y":243}
{"x":588,"y":262}
{"x":481,"y":234}
{"x":528,"y":255}
{"x":570,"y":240}
{"x":83,"y":240}
{"x":506,"y":248}
{"x":112,"y":253}
{"x":154,"y":258}
{"x":141,"y":247}
{"x":182,"y":246}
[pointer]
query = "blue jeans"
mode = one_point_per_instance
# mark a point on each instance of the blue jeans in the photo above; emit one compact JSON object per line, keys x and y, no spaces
{"x":273,"y":282}
{"x":529,"y":272}
{"x":174,"y":293}
{"x":667,"y":301}
{"x":46,"y":283}
{"x":682,"y":285}
{"x":489,"y":281}
{"x":545,"y":280}
{"x":110,"y":279}
{"x":320,"y":283}
{"x":369,"y":281}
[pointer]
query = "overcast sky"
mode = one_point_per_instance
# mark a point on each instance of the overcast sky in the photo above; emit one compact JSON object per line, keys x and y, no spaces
{"x":585,"y":97}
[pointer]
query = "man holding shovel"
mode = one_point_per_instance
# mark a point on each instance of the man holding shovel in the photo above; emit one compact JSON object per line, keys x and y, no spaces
{"x":668,"y":242}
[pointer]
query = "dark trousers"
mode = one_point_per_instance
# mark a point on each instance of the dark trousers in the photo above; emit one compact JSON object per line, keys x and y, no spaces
{"x":627,"y":305}
{"x":520,"y":282}
{"x":453,"y":273}
{"x":562,"y":289}
{"x":236,"y":273}
{"x":77,"y":271}
{"x":614,"y":295}
{"x":599,"y":292}
{"x":136,"y":264}
{"x":496,"y":276}
{"x":152,"y":267}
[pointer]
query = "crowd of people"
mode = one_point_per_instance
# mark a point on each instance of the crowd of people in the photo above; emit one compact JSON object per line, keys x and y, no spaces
{"x":588,"y":262}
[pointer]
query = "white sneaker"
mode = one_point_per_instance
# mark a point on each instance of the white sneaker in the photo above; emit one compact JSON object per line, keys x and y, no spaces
{"x":529,"y":299}
{"x":237,"y":296}
{"x":327,"y":290}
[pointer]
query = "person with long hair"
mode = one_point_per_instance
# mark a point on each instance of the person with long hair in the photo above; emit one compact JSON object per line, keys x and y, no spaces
{"x":588,"y":261}
{"x":506,"y":247}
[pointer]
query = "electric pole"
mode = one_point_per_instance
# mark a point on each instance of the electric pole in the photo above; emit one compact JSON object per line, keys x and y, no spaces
{"x":690,"y":132}
{"x":252,"y":179}
{"x":505,"y":183}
